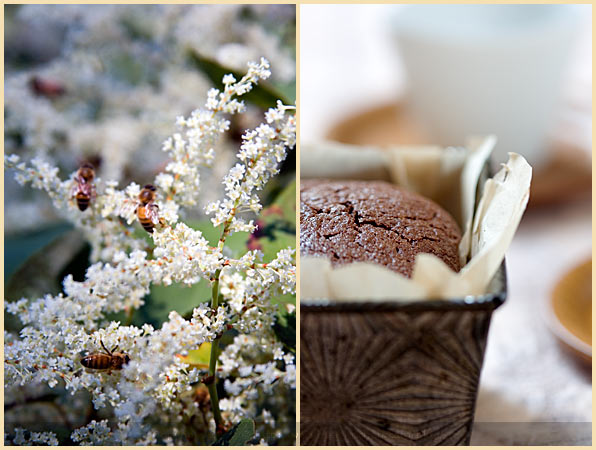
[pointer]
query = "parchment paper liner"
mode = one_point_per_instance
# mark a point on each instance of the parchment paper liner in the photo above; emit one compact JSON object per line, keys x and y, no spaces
{"x":449,"y":177}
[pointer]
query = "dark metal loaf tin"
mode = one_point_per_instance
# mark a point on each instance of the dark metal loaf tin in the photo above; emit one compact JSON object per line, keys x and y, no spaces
{"x":393,"y":373}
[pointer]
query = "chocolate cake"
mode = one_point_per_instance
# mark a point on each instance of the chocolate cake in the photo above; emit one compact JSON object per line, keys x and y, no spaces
{"x":349,"y":221}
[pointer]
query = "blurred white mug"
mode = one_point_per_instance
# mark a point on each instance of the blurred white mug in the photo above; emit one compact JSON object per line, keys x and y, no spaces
{"x":486,"y":69}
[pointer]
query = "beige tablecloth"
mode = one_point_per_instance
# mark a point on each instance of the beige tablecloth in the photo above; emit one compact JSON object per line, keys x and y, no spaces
{"x":531,"y":391}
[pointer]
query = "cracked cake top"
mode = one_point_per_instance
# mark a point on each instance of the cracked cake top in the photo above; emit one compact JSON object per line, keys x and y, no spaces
{"x":349,"y":221}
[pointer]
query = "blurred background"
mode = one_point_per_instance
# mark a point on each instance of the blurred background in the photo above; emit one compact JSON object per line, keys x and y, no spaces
{"x":434,"y":74}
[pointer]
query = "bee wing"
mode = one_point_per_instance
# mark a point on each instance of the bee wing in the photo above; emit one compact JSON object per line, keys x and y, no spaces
{"x":153,"y":213}
{"x":74,"y":188}
{"x":127,"y":209}
{"x":85,"y":188}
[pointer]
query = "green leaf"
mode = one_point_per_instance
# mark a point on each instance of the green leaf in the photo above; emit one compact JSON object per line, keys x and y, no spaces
{"x":39,"y":274}
{"x":289,"y":90}
{"x":287,"y":202}
{"x":280,"y":240}
{"x":236,"y":243}
{"x":200,"y":357}
{"x":18,"y":248}
{"x":140,"y":233}
{"x":263,"y":95}
{"x":283,"y":300}
{"x":176,"y":297}
{"x":240,"y":434}
{"x":285,"y":330}
{"x":283,"y":207}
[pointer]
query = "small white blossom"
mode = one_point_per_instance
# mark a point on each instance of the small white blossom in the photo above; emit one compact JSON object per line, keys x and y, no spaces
{"x":229,"y":79}
{"x":34,"y":438}
{"x":94,"y":433}
{"x":12,"y":159}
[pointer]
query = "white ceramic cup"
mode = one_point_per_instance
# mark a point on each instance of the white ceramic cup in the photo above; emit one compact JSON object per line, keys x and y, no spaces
{"x":486,"y":69}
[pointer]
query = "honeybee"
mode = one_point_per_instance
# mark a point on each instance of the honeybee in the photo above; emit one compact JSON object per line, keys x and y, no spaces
{"x":83,"y":190}
{"x":202,"y":397}
{"x":110,"y":360}
{"x":147,"y":210}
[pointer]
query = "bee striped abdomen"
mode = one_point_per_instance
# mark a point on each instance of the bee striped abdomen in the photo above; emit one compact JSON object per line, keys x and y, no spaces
{"x":146,"y":222}
{"x":148,"y":226}
{"x":98,"y":362}
{"x":82,"y":201}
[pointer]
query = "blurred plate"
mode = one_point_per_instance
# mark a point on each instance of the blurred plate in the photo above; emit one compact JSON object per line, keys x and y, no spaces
{"x":570,"y":315}
{"x":566,"y":175}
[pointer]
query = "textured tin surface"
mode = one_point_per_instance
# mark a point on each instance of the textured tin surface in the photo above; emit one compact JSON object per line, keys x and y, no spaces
{"x":392,"y":373}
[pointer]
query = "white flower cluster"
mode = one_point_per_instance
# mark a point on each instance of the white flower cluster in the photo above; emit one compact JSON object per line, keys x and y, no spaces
{"x":261,"y":152}
{"x":42,"y":176}
{"x":195,"y":147}
{"x":106,"y":106}
{"x":94,"y":433}
{"x":154,"y":396}
{"x":34,"y":438}
{"x":260,"y":281}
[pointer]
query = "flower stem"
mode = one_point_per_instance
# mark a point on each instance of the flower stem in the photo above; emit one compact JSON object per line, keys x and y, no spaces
{"x":212,"y":386}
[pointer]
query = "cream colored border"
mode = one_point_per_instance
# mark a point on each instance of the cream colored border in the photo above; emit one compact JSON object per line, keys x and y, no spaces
{"x":299,"y":2}
{"x":2,"y":220}
{"x":298,"y":225}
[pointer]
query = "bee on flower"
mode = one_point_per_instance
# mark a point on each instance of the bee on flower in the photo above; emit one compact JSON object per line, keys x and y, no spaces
{"x":147,"y":210}
{"x":143,"y":207}
{"x":83,"y":189}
